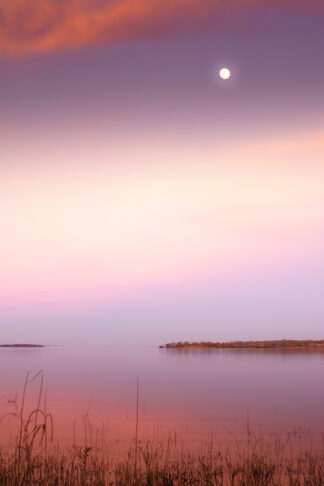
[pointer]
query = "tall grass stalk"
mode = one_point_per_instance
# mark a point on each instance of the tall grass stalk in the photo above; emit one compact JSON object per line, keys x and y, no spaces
{"x":136,"y":427}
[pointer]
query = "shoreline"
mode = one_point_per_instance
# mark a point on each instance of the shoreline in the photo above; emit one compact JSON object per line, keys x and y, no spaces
{"x":22,"y":345}
{"x":274,"y":344}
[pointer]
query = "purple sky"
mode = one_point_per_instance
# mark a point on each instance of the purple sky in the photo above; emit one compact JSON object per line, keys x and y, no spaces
{"x":143,"y":199}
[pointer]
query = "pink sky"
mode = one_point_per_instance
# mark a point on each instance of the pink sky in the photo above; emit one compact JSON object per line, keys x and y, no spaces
{"x":99,"y":232}
{"x":140,"y":192}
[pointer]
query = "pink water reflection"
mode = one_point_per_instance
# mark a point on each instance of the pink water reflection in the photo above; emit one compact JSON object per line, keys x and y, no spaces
{"x":197,"y":393}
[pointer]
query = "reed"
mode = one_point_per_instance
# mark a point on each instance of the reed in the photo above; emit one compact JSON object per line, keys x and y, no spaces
{"x":261,"y":460}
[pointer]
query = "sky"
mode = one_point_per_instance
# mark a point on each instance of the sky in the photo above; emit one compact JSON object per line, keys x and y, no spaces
{"x":143,"y":199}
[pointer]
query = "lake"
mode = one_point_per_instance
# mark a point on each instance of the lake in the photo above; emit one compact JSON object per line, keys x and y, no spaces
{"x":197,"y":392}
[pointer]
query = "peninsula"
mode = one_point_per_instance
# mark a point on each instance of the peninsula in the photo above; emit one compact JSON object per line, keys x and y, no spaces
{"x":277,"y":344}
{"x":21,"y":345}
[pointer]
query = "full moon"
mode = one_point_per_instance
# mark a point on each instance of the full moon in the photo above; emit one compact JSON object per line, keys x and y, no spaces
{"x":225,"y":73}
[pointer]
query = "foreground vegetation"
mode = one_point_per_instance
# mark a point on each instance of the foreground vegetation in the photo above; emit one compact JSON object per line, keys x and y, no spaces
{"x":33,"y":459}
{"x":166,"y":463}
{"x":280,"y":344}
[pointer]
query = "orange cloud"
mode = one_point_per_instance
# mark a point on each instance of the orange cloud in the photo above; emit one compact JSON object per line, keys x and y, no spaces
{"x":45,"y":25}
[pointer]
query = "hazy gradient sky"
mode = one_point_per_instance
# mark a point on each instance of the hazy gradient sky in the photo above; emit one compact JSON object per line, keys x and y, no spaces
{"x":143,"y":199}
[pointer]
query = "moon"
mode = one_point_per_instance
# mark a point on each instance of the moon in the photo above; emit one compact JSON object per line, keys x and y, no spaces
{"x":225,"y":73}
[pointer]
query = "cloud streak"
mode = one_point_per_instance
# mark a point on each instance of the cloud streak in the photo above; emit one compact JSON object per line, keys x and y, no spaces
{"x":48,"y":25}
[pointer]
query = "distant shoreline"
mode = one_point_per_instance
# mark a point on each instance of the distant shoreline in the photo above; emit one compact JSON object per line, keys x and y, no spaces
{"x":275,"y":344}
{"x":22,"y":345}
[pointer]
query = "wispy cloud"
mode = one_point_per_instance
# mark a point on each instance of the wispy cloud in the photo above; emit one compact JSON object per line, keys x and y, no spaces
{"x":45,"y":25}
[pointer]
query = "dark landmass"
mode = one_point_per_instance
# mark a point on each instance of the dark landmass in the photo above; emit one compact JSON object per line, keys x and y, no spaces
{"x":281,"y":344}
{"x":21,"y":345}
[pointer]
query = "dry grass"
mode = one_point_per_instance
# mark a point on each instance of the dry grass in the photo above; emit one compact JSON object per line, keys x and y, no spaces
{"x":34,"y":460}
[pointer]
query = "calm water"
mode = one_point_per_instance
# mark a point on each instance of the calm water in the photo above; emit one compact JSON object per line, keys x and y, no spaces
{"x":197,"y":392}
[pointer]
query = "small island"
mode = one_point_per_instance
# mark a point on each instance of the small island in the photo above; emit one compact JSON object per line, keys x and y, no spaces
{"x":21,"y":345}
{"x":276,"y":344}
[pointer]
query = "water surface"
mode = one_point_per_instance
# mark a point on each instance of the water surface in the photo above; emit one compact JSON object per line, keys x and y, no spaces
{"x":198,"y":392}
